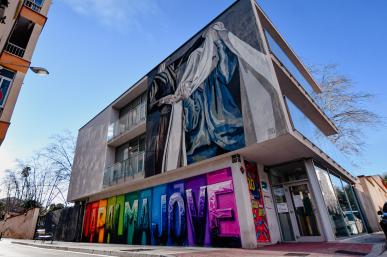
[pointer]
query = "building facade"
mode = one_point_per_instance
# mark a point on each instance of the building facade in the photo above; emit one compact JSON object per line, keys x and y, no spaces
{"x":215,"y":146}
{"x":372,"y":196}
{"x":21,"y":23}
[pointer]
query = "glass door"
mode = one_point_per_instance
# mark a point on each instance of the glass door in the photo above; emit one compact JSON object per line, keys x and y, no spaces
{"x":302,"y":212}
{"x":283,"y":213}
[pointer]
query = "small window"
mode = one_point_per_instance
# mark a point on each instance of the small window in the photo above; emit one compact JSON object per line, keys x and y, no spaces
{"x":22,"y":32}
{"x":6,"y":77}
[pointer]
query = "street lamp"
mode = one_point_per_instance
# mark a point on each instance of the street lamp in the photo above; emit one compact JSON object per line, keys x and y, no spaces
{"x":38,"y":70}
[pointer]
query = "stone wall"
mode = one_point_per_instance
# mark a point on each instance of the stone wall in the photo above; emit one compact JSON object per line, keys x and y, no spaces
{"x":21,"y":226}
{"x":372,"y":195}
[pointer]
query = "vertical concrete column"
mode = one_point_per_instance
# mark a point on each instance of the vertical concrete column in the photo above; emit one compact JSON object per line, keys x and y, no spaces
{"x":271,"y":214}
{"x":323,"y":215}
{"x":242,"y":197}
{"x":266,"y":50}
{"x":367,"y":205}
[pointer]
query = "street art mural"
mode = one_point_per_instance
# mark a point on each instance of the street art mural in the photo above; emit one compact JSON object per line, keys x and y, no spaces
{"x":198,"y":211}
{"x":257,"y":203}
{"x":212,"y":95}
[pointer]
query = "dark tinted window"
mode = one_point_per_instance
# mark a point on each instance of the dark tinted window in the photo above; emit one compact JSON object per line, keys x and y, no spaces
{"x":22,"y":32}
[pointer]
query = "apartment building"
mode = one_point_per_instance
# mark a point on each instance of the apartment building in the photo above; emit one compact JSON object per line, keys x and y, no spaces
{"x":21,"y":23}
{"x":216,"y":146}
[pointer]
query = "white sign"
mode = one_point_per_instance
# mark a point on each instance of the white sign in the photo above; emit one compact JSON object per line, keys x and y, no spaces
{"x":298,"y":201}
{"x":282,"y":207}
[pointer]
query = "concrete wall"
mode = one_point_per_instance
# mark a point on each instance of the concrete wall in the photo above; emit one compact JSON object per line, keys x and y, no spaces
{"x":10,"y":13}
{"x":154,"y":221}
{"x":271,"y":213}
{"x":21,"y":226}
{"x":372,"y":195}
{"x":92,"y":154}
{"x":90,"y":157}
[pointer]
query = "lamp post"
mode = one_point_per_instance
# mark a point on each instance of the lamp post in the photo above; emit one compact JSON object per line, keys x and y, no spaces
{"x":38,"y":70}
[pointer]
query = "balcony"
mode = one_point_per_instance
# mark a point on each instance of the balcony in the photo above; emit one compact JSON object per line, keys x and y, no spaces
{"x":14,"y":49}
{"x":119,"y":129}
{"x":35,"y":5}
{"x":128,"y":170}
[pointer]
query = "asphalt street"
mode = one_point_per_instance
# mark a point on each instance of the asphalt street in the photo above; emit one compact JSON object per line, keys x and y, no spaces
{"x":7,"y":249}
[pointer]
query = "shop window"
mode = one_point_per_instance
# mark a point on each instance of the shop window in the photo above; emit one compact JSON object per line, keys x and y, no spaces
{"x":334,"y":210}
{"x":288,"y":172}
{"x":344,"y":204}
{"x":355,"y":216}
{"x":341,"y":204}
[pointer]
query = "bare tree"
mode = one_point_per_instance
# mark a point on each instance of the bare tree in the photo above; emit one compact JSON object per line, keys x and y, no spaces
{"x":43,"y":178}
{"x":59,"y":155}
{"x":346,"y":107}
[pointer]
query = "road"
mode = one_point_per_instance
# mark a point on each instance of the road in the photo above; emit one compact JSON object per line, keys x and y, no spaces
{"x":7,"y":249}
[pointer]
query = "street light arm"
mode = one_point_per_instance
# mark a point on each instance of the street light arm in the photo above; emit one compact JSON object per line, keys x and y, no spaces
{"x":37,"y":70}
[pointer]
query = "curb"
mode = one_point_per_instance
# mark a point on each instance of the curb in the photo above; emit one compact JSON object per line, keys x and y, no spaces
{"x":92,"y":251}
{"x":377,"y":250}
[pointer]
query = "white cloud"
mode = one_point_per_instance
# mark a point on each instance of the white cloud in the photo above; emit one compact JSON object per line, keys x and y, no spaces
{"x":121,"y":14}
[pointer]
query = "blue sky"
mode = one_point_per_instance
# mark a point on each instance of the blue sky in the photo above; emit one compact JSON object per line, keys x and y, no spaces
{"x":96,"y":49}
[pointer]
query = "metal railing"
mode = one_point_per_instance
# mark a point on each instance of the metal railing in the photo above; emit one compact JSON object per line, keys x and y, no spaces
{"x":14,"y":49}
{"x":34,"y":5}
{"x":123,"y":171}
{"x":133,"y":118}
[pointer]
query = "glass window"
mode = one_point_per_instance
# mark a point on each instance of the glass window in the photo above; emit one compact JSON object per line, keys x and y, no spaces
{"x":131,"y":149}
{"x":5,"y":85}
{"x":283,"y":214}
{"x":139,"y":102}
{"x":284,"y":59}
{"x":344,"y":204}
{"x":288,"y":172}
{"x":308,"y":129}
{"x":338,"y":222}
{"x":22,"y":32}
{"x":356,"y":216}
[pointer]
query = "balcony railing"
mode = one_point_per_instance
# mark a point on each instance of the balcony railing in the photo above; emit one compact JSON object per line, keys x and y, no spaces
{"x":130,"y":120}
{"x":124,"y":171}
{"x":14,"y":49}
{"x":35,"y":5}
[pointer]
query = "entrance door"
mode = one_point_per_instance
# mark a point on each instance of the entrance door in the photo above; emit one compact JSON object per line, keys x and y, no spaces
{"x":302,"y":212}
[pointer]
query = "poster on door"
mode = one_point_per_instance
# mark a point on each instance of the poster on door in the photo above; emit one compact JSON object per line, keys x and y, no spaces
{"x":257,"y":203}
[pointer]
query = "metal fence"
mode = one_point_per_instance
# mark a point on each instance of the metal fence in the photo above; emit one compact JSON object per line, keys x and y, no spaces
{"x":14,"y":49}
{"x":34,"y":5}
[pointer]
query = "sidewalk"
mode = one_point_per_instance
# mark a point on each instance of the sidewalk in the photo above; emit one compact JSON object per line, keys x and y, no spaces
{"x":360,"y":246}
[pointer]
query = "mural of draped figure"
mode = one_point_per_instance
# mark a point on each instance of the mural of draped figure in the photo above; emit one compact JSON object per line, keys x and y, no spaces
{"x":205,"y":106}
